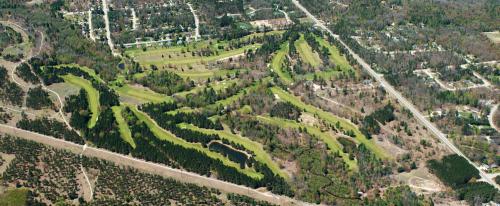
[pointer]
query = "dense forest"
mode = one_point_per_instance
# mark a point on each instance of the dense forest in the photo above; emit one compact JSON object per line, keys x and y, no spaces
{"x":38,"y":98}
{"x":164,"y":82}
{"x":51,"y":128}
{"x":68,"y":44}
{"x":456,"y":172}
{"x":380,"y":116}
{"x":9,"y":91}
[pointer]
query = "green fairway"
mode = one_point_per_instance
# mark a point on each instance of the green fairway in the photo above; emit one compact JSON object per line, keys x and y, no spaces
{"x":160,"y":59}
{"x":92,"y":95}
{"x":332,"y":119}
{"x":329,"y":140}
{"x":306,"y":53}
{"x":260,"y":154}
{"x":165,"y":135}
{"x":143,"y":94}
{"x":277,"y":64}
{"x":335,"y":56}
{"x":91,"y":72}
{"x":14,"y":197}
{"x":122,"y":125}
{"x":216,"y":85}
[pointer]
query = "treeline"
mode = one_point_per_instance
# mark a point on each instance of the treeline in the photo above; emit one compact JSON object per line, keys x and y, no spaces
{"x":170,"y":123}
{"x":152,"y":148}
{"x":209,"y":96}
{"x":285,"y":110}
{"x":66,"y":39}
{"x":8,"y":37}
{"x":24,"y":72}
{"x":51,"y":75}
{"x":106,"y":134}
{"x":456,"y":172}
{"x":38,"y":99}
{"x":380,"y":116}
{"x":164,"y":82}
{"x":324,"y":52}
{"x":50,"y":128}
{"x":9,"y":91}
{"x":78,"y":106}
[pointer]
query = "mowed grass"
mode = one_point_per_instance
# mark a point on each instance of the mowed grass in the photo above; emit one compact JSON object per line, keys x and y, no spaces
{"x":335,"y":56}
{"x":143,"y":94}
{"x":91,"y":72}
{"x":216,"y":85}
{"x":92,"y":95}
{"x":330,"y":141}
{"x":14,"y":197}
{"x":260,"y":154}
{"x":123,"y":126}
{"x":306,"y":53}
{"x":167,"y":136}
{"x":166,"y":56}
{"x":277,"y":64}
{"x":332,"y":119}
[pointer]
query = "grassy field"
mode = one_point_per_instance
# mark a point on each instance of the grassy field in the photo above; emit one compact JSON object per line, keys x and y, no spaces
{"x":14,"y":197}
{"x":122,"y":125}
{"x":165,"y":135}
{"x":260,"y":154}
{"x":306,"y":53}
{"x":161,"y":56}
{"x":276,"y":64}
{"x":332,"y":119}
{"x":91,"y":72}
{"x":329,"y":140}
{"x":335,"y":56}
{"x":92,"y":95}
{"x":216,"y":85}
{"x":142,"y":94}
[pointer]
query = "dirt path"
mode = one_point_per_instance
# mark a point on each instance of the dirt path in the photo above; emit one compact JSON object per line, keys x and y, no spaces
{"x":196,"y":23}
{"x":91,"y":28}
{"x":150,"y":167}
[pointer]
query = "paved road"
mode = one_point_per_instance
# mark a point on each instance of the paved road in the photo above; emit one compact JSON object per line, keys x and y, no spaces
{"x":390,"y":89}
{"x":108,"y":31}
{"x":150,"y":167}
{"x":196,"y":23}
{"x":91,"y":28}
{"x":491,"y":117}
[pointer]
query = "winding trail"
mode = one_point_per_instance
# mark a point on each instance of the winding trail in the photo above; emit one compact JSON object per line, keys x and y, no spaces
{"x":401,"y":99}
{"x":108,"y":30}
